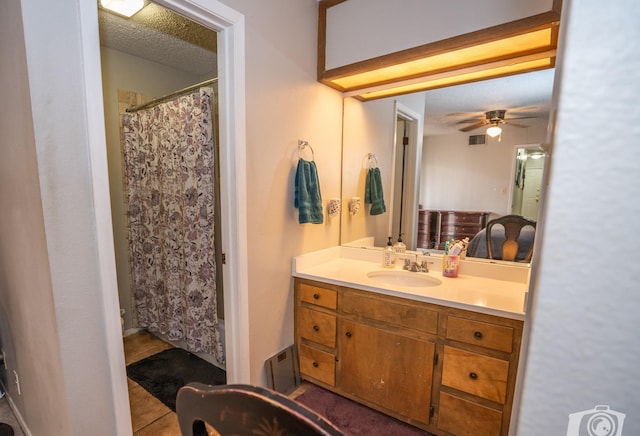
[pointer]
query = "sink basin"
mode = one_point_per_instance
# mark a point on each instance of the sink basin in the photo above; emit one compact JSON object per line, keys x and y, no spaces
{"x":404,"y":278}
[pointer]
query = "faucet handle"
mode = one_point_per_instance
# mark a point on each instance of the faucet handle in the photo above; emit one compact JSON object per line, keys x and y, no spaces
{"x":424,"y":263}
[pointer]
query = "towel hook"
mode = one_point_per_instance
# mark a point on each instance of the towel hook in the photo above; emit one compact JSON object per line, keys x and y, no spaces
{"x":304,"y":144}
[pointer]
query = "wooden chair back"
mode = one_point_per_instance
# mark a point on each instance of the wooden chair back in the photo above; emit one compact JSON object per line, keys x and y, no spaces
{"x":246,"y":410}
{"x":513,"y":225}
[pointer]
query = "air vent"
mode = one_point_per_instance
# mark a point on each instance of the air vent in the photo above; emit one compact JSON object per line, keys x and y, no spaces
{"x":477,"y":139}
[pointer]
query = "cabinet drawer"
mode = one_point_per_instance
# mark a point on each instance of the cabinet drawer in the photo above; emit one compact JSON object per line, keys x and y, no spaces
{"x":394,"y":312}
{"x":466,"y":418}
{"x":458,"y":229}
{"x":463,"y":218}
{"x":317,"y":326}
{"x":317,"y":364}
{"x":476,"y":374}
{"x":319,"y":296}
{"x":487,"y":335}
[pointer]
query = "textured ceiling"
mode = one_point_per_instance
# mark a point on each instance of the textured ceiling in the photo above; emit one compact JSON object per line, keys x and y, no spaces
{"x":520,"y":95}
{"x":159,"y":35}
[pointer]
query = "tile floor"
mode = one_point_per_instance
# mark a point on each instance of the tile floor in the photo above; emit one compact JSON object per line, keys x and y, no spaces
{"x":148,"y":415}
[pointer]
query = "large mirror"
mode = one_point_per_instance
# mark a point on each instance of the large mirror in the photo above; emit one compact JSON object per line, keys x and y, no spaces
{"x":427,"y":164}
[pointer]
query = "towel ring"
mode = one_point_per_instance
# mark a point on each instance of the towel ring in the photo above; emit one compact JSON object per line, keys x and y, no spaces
{"x":371,"y":159}
{"x":302,"y":145}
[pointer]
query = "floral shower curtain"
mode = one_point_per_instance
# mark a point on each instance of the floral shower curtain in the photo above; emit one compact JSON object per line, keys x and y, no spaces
{"x":169,"y":159}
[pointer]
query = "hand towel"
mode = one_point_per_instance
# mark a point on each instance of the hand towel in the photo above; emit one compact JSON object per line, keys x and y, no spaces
{"x":373,"y":192}
{"x":307,"y":193}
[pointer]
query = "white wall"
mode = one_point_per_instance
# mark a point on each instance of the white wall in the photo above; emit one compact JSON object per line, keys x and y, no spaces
{"x":369,"y":127}
{"x":585,"y":340}
{"x":284,"y":103}
{"x":28,"y":330}
{"x":459,"y":176}
{"x":53,"y":286}
{"x":363,"y":29}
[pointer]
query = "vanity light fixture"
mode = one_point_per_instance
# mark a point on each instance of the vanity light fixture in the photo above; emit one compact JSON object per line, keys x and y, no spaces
{"x":494,"y":130}
{"x":126,"y":8}
{"x":524,"y":45}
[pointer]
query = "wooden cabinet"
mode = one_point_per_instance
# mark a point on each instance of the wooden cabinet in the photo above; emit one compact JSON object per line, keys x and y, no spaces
{"x":388,"y":369}
{"x":435,"y":227}
{"x":315,"y":326}
{"x":448,"y":371}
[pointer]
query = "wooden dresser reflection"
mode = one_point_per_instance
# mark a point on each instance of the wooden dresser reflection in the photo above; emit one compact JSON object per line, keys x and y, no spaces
{"x":435,"y":227}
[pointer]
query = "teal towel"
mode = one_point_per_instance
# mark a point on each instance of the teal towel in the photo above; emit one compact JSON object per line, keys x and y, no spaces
{"x":373,"y":192}
{"x":307,"y":193}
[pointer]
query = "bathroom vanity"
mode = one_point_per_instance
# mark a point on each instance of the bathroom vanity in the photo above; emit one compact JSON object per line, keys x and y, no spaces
{"x":441,"y":354}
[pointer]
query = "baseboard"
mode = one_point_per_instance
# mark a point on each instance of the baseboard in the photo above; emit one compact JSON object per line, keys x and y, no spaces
{"x":132,"y":331}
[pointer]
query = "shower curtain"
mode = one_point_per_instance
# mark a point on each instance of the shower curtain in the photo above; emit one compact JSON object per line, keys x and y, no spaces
{"x":169,"y":159}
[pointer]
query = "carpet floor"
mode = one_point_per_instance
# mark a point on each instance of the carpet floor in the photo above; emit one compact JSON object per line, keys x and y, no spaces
{"x":164,"y":373}
{"x":352,"y":418}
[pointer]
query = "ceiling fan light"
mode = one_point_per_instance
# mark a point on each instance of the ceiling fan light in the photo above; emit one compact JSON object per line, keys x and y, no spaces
{"x":494,"y":131}
{"x":126,"y":8}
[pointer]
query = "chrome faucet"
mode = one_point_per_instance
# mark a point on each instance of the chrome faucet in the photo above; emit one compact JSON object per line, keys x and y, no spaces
{"x":414,"y":266}
{"x":411,"y":266}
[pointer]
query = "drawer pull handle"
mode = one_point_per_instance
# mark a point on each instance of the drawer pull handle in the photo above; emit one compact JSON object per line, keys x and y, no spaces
{"x":348,"y":334}
{"x":316,"y":296}
{"x":316,"y":328}
{"x":477,"y":335}
{"x":315,"y":364}
{"x":473,"y":376}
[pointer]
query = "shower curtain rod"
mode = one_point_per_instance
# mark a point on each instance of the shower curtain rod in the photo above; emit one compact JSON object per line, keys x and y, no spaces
{"x":158,"y":100}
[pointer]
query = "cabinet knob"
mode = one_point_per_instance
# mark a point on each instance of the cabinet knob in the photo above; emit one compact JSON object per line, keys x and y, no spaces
{"x":477,"y":334}
{"x":315,"y":364}
{"x":348,"y":334}
{"x":316,"y":296}
{"x":316,"y":328}
{"x":473,"y":376}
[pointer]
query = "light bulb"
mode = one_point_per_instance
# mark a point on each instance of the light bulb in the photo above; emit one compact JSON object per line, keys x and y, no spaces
{"x":123,"y":7}
{"x":494,"y":131}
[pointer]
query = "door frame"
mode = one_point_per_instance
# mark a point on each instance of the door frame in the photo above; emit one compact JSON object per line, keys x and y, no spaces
{"x":411,"y":176}
{"x":231,"y":71}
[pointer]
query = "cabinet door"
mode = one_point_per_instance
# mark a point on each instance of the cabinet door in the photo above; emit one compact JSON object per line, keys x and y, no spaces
{"x":388,"y":369}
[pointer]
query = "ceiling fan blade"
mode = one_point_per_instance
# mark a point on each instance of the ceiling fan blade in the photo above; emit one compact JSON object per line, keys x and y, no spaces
{"x":474,"y":126}
{"x":524,"y":109}
{"x":519,"y":118}
{"x":470,"y":120}
{"x":465,"y":114}
{"x":514,"y":124}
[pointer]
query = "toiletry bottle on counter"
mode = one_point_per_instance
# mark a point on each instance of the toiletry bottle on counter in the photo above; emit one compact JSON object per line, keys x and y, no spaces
{"x":389,"y":255}
{"x":400,"y":246}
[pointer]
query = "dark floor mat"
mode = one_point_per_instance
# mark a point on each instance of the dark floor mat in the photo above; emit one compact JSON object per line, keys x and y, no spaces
{"x":352,"y":418}
{"x":163,"y":374}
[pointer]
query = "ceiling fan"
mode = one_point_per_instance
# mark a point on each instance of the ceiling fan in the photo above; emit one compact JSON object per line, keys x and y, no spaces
{"x":493,"y":119}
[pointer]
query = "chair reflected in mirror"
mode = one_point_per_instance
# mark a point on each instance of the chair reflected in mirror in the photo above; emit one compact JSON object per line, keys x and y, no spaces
{"x":509,"y":237}
{"x":245,"y":410}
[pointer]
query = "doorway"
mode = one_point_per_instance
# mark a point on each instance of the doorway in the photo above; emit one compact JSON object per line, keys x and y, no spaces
{"x":528,"y":173}
{"x":405,"y":177}
{"x":134,"y":71}
{"x":229,"y":25}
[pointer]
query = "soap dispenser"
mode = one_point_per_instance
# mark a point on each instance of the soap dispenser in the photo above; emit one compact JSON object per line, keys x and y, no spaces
{"x":389,"y":255}
{"x":400,"y":247}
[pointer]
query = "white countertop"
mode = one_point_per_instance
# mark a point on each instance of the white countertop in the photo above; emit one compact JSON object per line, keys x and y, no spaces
{"x":485,"y":287}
